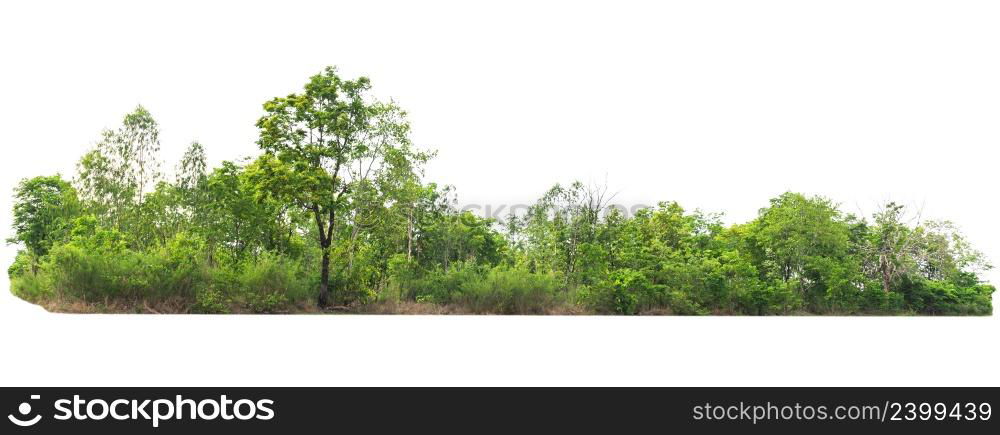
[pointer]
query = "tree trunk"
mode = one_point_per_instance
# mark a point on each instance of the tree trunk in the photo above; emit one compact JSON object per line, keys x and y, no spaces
{"x":351,"y":251}
{"x":409,"y":235}
{"x":886,"y":272}
{"x":324,"y":280}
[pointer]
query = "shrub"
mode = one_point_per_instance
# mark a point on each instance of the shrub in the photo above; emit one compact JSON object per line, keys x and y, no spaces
{"x":210,"y":301}
{"x":266,"y":303}
{"x":31,"y":287}
{"x":269,"y":283}
{"x":180,"y":266}
{"x":95,"y":267}
{"x":510,"y":291}
{"x":21,"y":266}
{"x":92,"y":275}
{"x":620,"y":293}
{"x":352,"y":288}
{"x":681,"y":303}
{"x":438,"y":286}
{"x":947,"y":298}
{"x":402,"y":273}
{"x":762,"y":300}
{"x":875,"y":300}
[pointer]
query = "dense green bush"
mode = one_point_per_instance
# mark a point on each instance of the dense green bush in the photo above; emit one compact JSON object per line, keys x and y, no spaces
{"x":947,"y":298}
{"x":510,"y":291}
{"x":270,"y":284}
{"x":32,"y":287}
{"x":438,"y":286}
{"x":479,"y":289}
{"x":96,"y":266}
{"x":629,"y":291}
{"x":620,"y":294}
{"x":760,"y":300}
{"x":179,"y":267}
{"x":22,"y":265}
{"x":97,"y":276}
{"x":210,"y":301}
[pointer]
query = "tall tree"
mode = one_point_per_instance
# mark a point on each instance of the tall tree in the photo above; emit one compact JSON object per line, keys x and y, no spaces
{"x":795,"y":229}
{"x":122,"y":168}
{"x":324,"y":146}
{"x":193,"y":169}
{"x":896,"y":246}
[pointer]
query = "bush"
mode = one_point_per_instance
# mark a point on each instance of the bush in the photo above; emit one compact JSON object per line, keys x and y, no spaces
{"x":266,"y":303}
{"x":31,"y":287}
{"x":21,"y":266}
{"x":762,"y":300}
{"x":93,"y":267}
{"x":479,"y":289}
{"x":680,"y":303}
{"x":352,"y":288}
{"x":267,"y":284}
{"x":210,"y":301}
{"x":180,"y":266}
{"x":620,"y":294}
{"x":93,"y":276}
{"x":510,"y":291}
{"x":948,"y":298}
{"x":403,"y":273}
{"x":438,"y":286}
{"x":270,"y":283}
{"x":875,"y":300}
{"x":629,"y":291}
{"x":96,"y":267}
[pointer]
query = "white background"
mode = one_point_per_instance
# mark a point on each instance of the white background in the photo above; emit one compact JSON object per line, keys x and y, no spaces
{"x":717,"y":104}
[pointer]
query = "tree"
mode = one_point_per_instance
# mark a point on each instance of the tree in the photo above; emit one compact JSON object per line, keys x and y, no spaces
{"x":795,"y":229}
{"x":932,"y":250}
{"x":562,"y":224}
{"x":192,"y":170}
{"x":895,"y":248}
{"x":237,"y":220}
{"x":191,"y":186}
{"x":43,"y":210}
{"x":122,"y":168}
{"x":326,"y":146}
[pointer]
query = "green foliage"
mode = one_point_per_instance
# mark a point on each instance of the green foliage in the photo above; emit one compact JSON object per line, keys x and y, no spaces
{"x":335,"y":212}
{"x":481,"y":289}
{"x":94,"y":276}
{"x":88,"y":234}
{"x":947,"y":298}
{"x":510,"y":291}
{"x":43,"y":210}
{"x":210,"y":301}
{"x":266,"y":302}
{"x":180,"y":265}
{"x":776,"y":298}
{"x":116,"y":175}
{"x":22,"y":265}
{"x":271,"y":283}
{"x":439,"y":286}
{"x":237,"y":222}
{"x":620,"y":294}
{"x":336,"y":154}
{"x":35,"y":288}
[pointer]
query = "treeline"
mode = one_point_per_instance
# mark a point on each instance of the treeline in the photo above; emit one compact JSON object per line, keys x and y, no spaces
{"x":334,"y":215}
